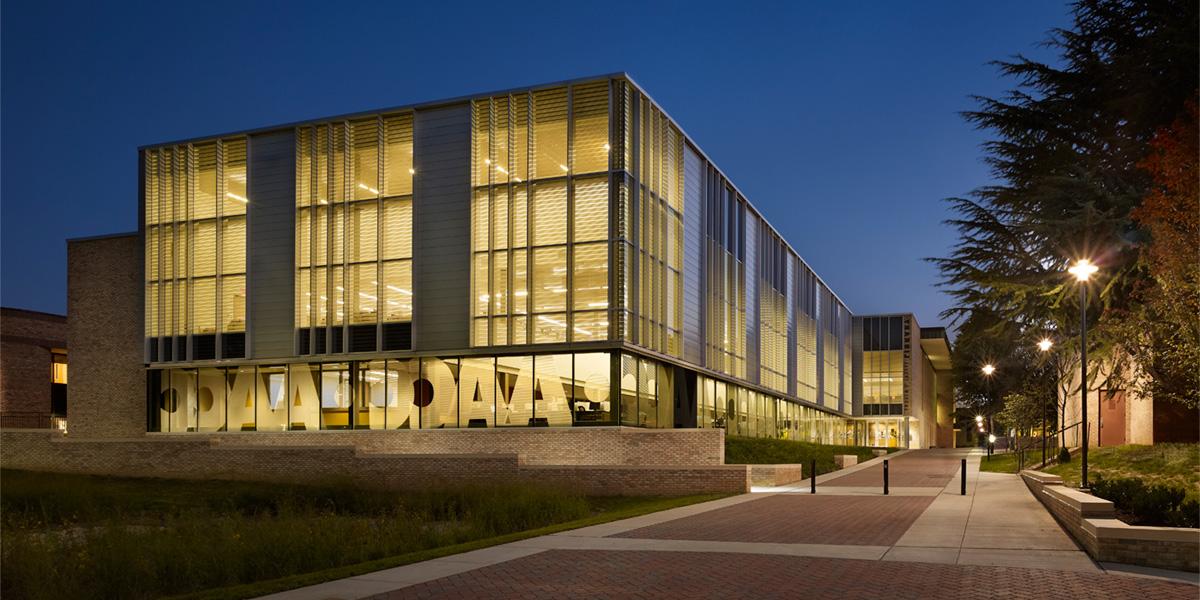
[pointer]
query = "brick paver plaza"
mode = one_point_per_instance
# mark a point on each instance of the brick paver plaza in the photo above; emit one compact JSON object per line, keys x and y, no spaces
{"x":925,"y":540}
{"x":605,"y":574}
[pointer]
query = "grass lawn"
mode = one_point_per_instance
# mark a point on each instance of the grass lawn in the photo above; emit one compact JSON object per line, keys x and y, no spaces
{"x":1006,"y":462}
{"x":78,"y":536}
{"x":761,"y":451}
{"x":1160,"y":463}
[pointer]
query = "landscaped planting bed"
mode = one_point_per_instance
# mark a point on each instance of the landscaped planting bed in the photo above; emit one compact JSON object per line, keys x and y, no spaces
{"x":76,"y":536}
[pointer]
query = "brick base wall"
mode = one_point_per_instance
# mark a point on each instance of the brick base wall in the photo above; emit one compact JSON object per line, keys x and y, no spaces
{"x":230,"y":457}
{"x":536,"y":446}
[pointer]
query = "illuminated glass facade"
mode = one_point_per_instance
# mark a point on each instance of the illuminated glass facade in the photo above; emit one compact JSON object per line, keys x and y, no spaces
{"x":194,"y":222}
{"x":354,"y":185}
{"x":556,"y":256}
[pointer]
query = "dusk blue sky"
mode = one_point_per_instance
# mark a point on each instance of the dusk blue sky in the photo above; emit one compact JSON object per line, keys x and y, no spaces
{"x":840,"y":123}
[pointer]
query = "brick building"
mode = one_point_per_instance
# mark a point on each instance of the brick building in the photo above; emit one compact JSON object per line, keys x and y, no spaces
{"x":33,"y":368}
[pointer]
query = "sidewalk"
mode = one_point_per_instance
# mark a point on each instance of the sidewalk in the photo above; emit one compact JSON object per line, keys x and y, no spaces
{"x":927,"y":530}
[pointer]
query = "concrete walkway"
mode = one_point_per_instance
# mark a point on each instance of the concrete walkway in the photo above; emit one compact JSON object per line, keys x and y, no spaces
{"x":997,"y":525}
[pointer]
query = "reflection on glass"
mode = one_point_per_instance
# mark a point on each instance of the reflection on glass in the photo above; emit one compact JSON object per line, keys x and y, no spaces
{"x":629,"y":386}
{"x":401,"y":377}
{"x":552,"y":391}
{"x":304,"y":397}
{"x":476,"y":392}
{"x":211,"y":400}
{"x":437,"y":394}
{"x":335,"y":396}
{"x":369,"y":395}
{"x":514,"y":387}
{"x":272,"y":408}
{"x":593,"y":374}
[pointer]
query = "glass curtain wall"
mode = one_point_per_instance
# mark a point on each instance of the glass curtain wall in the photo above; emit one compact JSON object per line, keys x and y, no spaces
{"x":354,"y":184}
{"x":650,"y":225}
{"x":725,"y":278}
{"x":773,"y":311}
{"x":540,"y":213}
{"x":806,"y":334}
{"x":195,"y":227}
{"x":554,"y":390}
{"x":745,"y":412}
{"x":883,"y":366}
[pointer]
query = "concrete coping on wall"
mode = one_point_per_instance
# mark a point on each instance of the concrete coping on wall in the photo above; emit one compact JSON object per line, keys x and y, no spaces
{"x":1042,"y":478}
{"x":1088,"y":505}
{"x":1118,"y":529}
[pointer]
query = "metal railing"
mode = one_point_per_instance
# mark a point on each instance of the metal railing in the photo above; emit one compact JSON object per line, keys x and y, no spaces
{"x":1029,"y":448}
{"x":31,"y":420}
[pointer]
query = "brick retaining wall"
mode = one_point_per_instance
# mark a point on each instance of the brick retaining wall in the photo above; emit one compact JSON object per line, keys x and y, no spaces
{"x":1092,"y":522}
{"x":535,"y":446}
{"x":232,"y":457}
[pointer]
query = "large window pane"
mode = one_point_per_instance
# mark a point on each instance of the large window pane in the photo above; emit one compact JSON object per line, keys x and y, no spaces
{"x":271,"y":396}
{"x":211,"y":400}
{"x":481,"y":282}
{"x":590,"y":326}
{"x":591,"y":277}
{"x":553,"y":390}
{"x":402,"y":377}
{"x":514,"y":386}
{"x":183,"y":400}
{"x":363,"y":231}
{"x":398,"y":154}
{"x":204,"y":305}
{"x":590,"y":143}
{"x":591,"y":210}
{"x":549,"y":213}
{"x":233,"y":245}
{"x":370,"y":395}
{"x":476,"y":392}
{"x":335,"y":396}
{"x":304,"y":397}
{"x":397,"y":291}
{"x":593,"y":376}
{"x":438,"y":393}
{"x":549,"y":279}
{"x":364,"y":158}
{"x":629,"y":385}
{"x":241,"y":383}
{"x":665,"y":378}
{"x":233,"y":303}
{"x":364,"y":294}
{"x":204,"y":203}
{"x":647,"y":394}
{"x":397,"y":228}
{"x":550,"y":132}
{"x":235,"y":177}
{"x":550,"y":329}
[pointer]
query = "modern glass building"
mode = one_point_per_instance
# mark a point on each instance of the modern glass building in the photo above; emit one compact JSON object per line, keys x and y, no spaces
{"x":556,"y":256}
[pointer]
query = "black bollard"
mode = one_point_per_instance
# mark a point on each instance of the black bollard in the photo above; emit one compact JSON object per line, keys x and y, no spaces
{"x":812,"y":477}
{"x":885,"y":477}
{"x":964,"y":477}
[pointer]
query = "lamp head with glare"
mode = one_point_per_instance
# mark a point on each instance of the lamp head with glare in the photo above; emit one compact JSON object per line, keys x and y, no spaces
{"x":1083,"y":269}
{"x":988,"y":369}
{"x":991,"y":438}
{"x":978,"y":418}
{"x":1045,"y":344}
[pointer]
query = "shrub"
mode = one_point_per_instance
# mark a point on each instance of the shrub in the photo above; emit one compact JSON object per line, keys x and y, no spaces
{"x":1155,"y":504}
{"x":1064,"y":455}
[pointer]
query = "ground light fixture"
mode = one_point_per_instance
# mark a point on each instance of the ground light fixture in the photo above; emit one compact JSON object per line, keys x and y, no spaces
{"x":1083,"y":269}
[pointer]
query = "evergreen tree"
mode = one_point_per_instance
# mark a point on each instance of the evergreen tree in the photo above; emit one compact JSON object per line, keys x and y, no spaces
{"x":1069,"y":141}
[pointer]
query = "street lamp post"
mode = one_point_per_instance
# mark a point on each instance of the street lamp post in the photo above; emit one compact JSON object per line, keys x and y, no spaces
{"x":1083,"y":269}
{"x":988,"y":369}
{"x":1044,"y":346}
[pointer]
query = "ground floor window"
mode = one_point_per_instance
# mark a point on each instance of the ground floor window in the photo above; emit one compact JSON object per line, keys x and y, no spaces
{"x":551,"y":390}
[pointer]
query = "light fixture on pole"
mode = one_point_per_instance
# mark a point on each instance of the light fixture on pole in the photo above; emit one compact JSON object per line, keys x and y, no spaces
{"x":1044,"y":346}
{"x":988,"y":369}
{"x":1083,"y":269}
